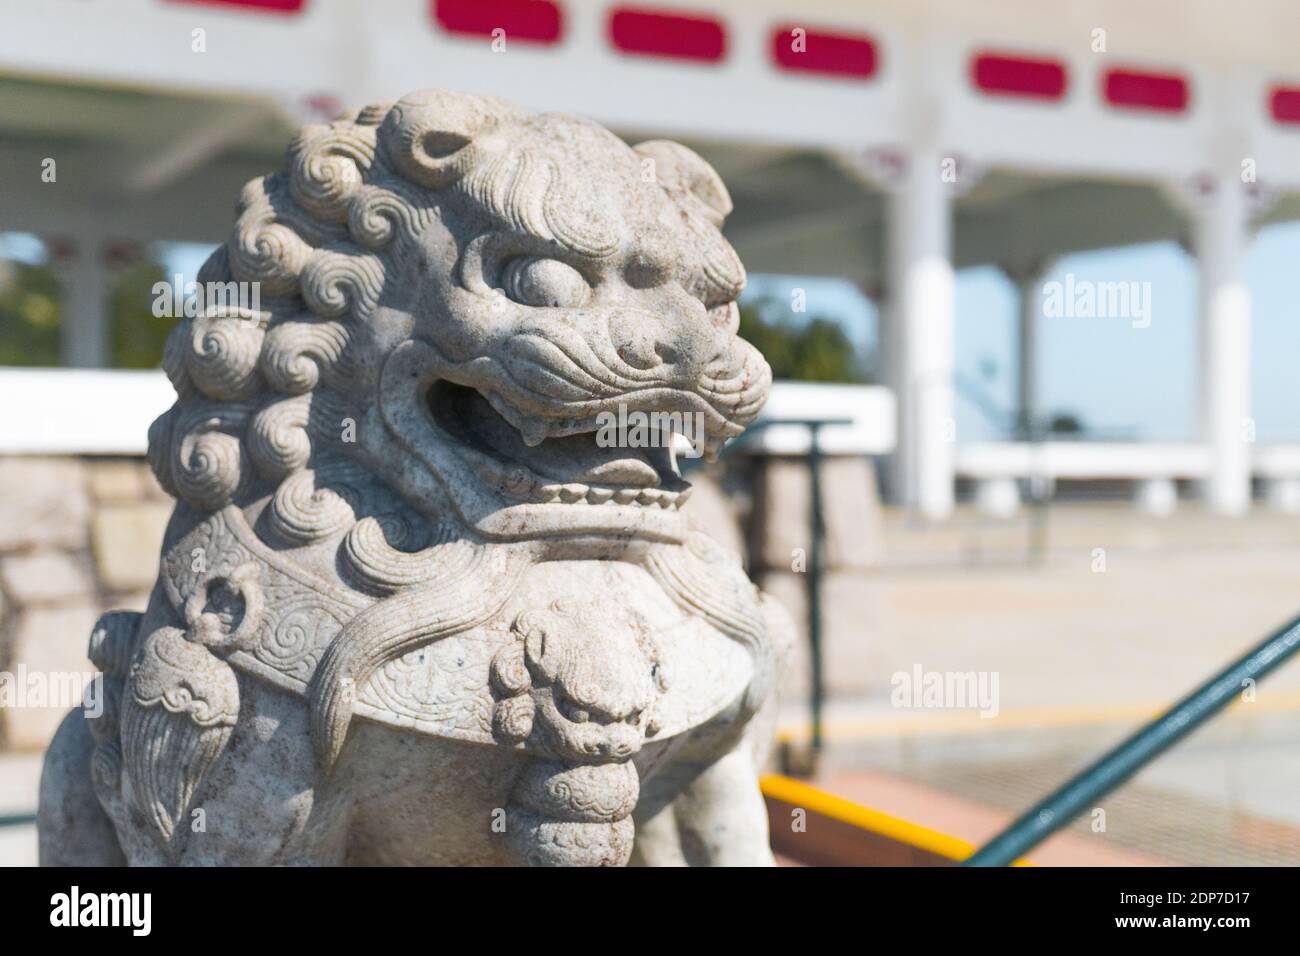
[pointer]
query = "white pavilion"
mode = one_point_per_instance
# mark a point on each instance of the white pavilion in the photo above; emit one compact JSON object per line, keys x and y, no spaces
{"x":889,"y":142}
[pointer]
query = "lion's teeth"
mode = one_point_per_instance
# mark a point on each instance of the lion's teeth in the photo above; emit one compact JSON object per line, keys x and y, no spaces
{"x":571,"y":493}
{"x":625,"y":496}
{"x":548,"y":492}
{"x":598,"y":496}
{"x":684,"y":494}
{"x":534,"y":433}
{"x":680,"y":447}
{"x":648,"y":496}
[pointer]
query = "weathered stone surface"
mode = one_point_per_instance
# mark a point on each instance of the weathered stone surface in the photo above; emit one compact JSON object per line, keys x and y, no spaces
{"x":42,"y":502}
{"x":49,"y":669}
{"x":125,"y":540}
{"x":780,"y":524}
{"x":45,"y":577}
{"x":431,"y":596}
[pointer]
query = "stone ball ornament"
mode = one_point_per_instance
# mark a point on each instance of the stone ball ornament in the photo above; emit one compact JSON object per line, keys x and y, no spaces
{"x":413,"y":607}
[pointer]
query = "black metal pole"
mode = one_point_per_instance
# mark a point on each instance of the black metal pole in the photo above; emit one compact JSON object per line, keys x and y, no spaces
{"x":1108,"y":772}
{"x":813,"y":582}
{"x":817,"y":528}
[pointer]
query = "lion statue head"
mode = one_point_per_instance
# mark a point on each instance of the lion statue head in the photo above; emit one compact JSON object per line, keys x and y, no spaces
{"x":453,"y":293}
{"x":454,"y":298}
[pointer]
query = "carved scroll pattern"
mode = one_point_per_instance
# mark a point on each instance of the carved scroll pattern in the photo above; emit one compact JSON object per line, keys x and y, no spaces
{"x":301,"y":616}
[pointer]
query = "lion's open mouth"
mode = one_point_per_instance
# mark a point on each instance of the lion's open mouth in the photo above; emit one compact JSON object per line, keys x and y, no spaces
{"x":569,"y":469}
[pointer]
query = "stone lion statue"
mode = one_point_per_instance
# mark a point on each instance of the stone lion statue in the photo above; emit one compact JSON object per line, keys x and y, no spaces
{"x":409,"y":610}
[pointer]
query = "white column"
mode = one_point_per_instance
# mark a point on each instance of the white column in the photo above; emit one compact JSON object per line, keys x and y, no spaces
{"x":1028,"y":278}
{"x":920,"y":286}
{"x":1221,"y":240}
{"x":85,"y":331}
{"x":1027,"y":358}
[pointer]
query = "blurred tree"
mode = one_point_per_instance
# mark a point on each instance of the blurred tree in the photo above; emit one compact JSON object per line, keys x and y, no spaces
{"x":138,"y":334}
{"x":29,"y":314}
{"x":815,"y":350}
{"x":1066,"y":423}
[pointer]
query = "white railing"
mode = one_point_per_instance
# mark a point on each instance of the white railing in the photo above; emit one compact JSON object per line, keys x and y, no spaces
{"x":995,"y":467}
{"x":52,"y":411}
{"x":58,"y":411}
{"x":1082,"y":460}
{"x":870,"y":408}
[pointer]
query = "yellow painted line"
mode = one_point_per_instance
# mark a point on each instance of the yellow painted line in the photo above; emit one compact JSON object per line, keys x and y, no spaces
{"x":799,"y":794}
{"x":969,"y":721}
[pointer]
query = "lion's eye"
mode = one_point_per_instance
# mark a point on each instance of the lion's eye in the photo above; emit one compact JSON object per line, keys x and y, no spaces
{"x":544,"y":283}
{"x":572,"y":711}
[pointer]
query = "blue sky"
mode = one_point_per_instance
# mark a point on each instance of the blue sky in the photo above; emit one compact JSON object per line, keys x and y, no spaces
{"x":1122,"y":381}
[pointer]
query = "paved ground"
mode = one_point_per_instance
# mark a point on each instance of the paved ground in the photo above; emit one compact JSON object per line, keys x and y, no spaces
{"x":1086,"y":644}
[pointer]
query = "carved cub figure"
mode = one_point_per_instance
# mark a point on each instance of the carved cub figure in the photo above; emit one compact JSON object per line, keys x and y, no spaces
{"x":409,"y":609}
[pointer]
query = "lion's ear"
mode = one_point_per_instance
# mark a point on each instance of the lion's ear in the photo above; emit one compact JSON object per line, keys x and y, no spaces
{"x":686,"y":177}
{"x":430,"y":135}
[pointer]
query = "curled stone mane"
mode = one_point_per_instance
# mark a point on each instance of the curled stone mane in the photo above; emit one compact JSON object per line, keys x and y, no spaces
{"x":262,"y":395}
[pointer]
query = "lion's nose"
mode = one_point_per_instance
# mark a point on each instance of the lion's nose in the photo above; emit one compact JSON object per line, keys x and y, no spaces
{"x":645,"y":340}
{"x":638,"y":341}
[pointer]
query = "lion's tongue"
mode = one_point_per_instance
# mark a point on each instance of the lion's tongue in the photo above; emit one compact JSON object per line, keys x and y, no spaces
{"x":569,"y":458}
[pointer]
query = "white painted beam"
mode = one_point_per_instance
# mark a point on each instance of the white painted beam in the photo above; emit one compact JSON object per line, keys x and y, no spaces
{"x":190,"y":149}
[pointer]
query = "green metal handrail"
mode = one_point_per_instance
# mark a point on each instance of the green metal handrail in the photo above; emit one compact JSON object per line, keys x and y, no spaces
{"x":1148,"y":742}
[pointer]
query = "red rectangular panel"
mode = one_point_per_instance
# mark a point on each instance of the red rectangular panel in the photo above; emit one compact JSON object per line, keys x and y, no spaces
{"x":648,"y":32}
{"x":1136,"y":89}
{"x":534,"y":21}
{"x":831,"y":54}
{"x":1005,"y":75}
{"x":269,"y":6}
{"x":1284,"y":104}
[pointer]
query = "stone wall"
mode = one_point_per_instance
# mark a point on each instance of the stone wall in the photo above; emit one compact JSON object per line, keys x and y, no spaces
{"x":78,"y":536}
